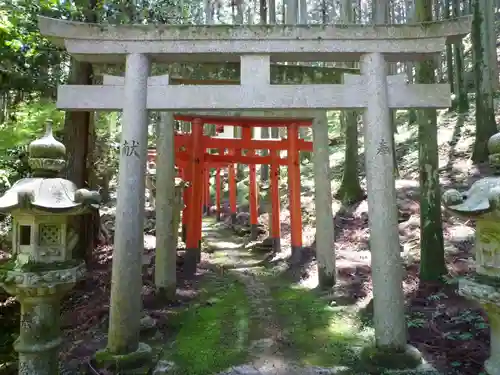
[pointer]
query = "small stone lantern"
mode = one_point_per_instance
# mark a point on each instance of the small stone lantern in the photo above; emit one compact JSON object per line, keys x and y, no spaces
{"x":482,"y":203}
{"x":42,"y":268}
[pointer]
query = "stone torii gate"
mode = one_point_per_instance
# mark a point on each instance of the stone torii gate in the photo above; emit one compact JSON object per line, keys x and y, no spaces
{"x":256,"y":46}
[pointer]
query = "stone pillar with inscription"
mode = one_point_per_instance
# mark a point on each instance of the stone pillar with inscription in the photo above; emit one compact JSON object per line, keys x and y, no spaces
{"x":124,"y":351}
{"x":42,"y":268}
{"x":387,"y":269}
{"x":481,"y":203}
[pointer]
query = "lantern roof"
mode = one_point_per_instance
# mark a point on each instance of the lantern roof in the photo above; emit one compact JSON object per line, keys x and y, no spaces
{"x":44,"y":191}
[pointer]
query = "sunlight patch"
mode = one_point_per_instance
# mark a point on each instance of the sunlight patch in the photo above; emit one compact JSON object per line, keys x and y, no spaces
{"x":225,"y":245}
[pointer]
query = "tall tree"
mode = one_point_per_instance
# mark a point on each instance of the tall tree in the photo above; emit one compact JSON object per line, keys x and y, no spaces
{"x":432,"y":263}
{"x":350,"y":190}
{"x":449,"y":53}
{"x":264,"y":132}
{"x":78,"y":139}
{"x":461,"y":101}
{"x":482,"y":28}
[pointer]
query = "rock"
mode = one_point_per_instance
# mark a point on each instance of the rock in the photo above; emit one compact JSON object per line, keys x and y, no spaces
{"x":243,"y":218}
{"x":164,"y":367}
{"x":261,"y":345}
{"x":147,"y":323}
{"x":241,"y":370}
{"x":246,"y":370}
{"x":461,"y":233}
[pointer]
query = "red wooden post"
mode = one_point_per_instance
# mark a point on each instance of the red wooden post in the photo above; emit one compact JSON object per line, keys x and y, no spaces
{"x":207,"y":190}
{"x":186,"y":195}
{"x":217,"y":193}
{"x":294,"y":192}
{"x":232,"y":189}
{"x":194,"y":229}
{"x":204,"y":191}
{"x":275,"y":203}
{"x":253,"y":200}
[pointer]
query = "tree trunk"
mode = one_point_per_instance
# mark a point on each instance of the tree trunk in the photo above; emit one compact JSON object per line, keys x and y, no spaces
{"x":272,"y":12}
{"x":461,"y":100}
{"x":263,"y":12}
{"x":410,"y":17}
{"x":432,"y":263}
{"x":485,"y":112}
{"x":449,"y":57}
{"x":78,"y":132}
{"x":350,"y":190}
{"x":78,"y":127}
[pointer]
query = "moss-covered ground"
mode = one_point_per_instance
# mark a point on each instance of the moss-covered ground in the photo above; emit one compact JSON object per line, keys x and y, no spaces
{"x":217,"y":333}
{"x":318,"y":334}
{"x":213,"y":333}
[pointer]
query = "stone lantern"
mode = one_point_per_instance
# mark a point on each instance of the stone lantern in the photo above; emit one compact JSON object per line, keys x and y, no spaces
{"x":42,"y":268}
{"x":481,"y":203}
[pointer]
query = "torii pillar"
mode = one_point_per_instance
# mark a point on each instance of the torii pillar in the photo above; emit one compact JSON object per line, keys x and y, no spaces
{"x":217,"y":193}
{"x":193,"y":250}
{"x":275,"y":202}
{"x":294,"y":190}
{"x":252,"y":190}
{"x":232,"y":189}
{"x":124,"y":313}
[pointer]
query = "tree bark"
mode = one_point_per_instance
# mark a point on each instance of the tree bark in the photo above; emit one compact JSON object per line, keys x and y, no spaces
{"x":461,"y":100}
{"x":485,"y":112}
{"x":78,"y":131}
{"x":432,"y":263}
{"x":449,"y":56}
{"x":350,"y":190}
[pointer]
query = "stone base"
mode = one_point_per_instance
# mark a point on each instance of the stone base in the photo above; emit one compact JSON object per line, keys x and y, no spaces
{"x":233,"y":218}
{"x":380,"y":359}
{"x":296,"y":256}
{"x":276,"y":245}
{"x":183,"y":232}
{"x":190,"y":262}
{"x":130,"y":363}
{"x":254,"y":232}
{"x":479,"y":289}
{"x":166,"y":293}
{"x":326,"y":280}
{"x":491,"y":366}
{"x":217,"y":216}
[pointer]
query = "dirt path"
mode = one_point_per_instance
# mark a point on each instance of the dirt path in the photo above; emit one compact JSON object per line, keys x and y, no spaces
{"x":231,"y":255}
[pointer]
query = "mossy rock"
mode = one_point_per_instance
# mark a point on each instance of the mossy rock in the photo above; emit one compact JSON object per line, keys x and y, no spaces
{"x":377,"y":359}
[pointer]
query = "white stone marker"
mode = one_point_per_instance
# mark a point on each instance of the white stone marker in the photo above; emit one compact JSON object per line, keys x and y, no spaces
{"x":165,"y":261}
{"x":389,"y":317}
{"x":325,"y":246}
{"x":126,"y":282}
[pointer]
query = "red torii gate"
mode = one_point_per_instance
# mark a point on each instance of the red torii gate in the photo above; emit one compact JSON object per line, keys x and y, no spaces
{"x":194,"y":165}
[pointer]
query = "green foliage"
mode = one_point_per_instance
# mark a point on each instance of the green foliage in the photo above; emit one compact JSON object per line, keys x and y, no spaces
{"x":29,"y":62}
{"x":29,"y":124}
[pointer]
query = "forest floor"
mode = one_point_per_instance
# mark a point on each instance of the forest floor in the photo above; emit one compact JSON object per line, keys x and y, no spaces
{"x":452,"y":332}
